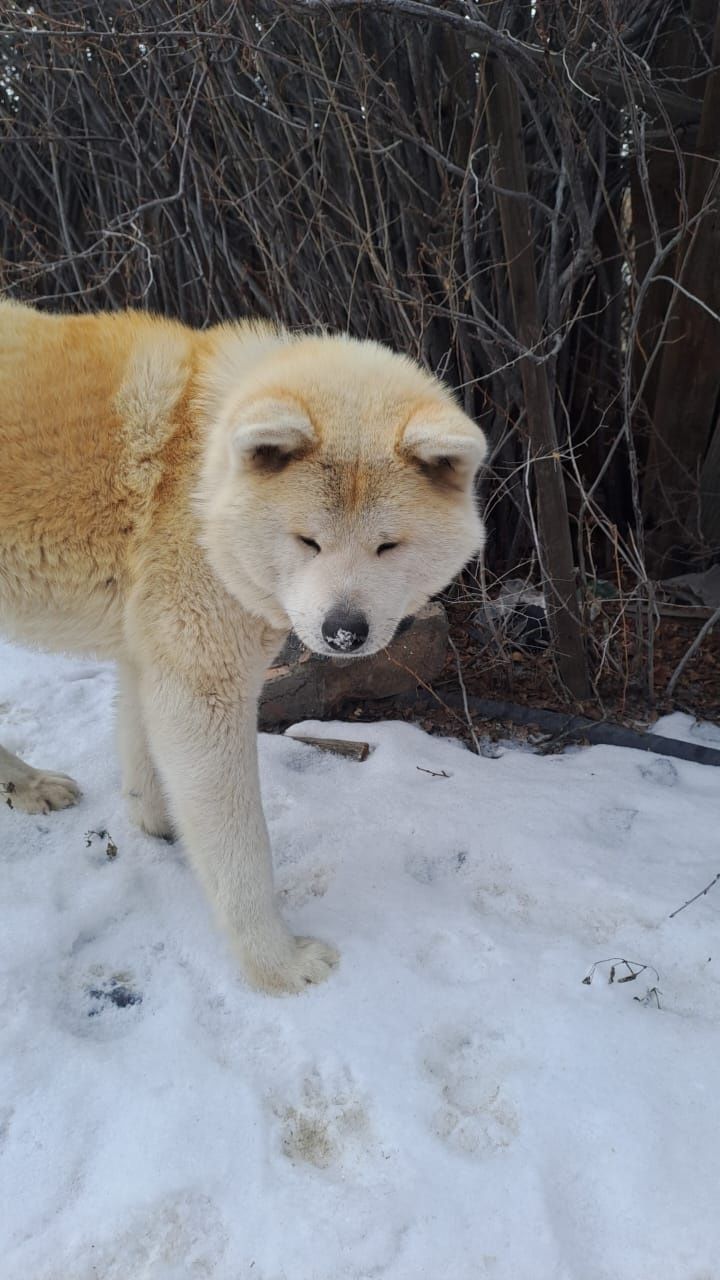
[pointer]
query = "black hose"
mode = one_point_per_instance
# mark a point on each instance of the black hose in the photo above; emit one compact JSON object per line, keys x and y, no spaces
{"x":571,"y":728}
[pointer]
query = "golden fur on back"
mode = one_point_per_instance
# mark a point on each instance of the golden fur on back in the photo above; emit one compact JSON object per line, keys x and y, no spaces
{"x":93,"y":419}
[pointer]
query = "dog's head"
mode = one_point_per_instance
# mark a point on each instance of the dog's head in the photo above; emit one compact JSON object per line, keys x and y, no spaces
{"x":337,"y":494}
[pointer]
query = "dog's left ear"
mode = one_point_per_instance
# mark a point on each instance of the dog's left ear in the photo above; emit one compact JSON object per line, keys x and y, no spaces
{"x":449,"y":449}
{"x":270,"y":433}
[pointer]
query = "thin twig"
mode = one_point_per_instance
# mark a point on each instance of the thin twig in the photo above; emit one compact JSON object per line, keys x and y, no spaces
{"x":701,"y":894}
{"x":481,"y":748}
{"x":706,"y":627}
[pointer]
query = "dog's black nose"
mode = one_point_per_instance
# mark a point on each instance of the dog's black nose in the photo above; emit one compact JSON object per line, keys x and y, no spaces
{"x":344,"y":630}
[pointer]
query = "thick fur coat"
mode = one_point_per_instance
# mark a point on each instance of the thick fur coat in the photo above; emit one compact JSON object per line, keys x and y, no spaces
{"x":177,"y":500}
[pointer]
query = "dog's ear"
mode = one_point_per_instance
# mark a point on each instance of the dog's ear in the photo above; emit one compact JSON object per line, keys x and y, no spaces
{"x":271,"y":433}
{"x":448,"y":448}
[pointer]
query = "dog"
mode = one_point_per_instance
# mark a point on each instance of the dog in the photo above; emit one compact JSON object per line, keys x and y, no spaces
{"x":178,"y":500}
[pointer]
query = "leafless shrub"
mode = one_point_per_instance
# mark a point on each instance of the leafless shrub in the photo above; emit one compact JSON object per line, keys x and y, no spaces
{"x":334,"y":162}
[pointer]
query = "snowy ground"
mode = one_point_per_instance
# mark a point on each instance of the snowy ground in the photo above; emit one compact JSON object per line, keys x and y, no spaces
{"x":453,"y":1104}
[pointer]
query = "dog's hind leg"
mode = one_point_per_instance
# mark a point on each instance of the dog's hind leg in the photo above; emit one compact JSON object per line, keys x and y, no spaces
{"x":34,"y":790}
{"x":142,"y":788}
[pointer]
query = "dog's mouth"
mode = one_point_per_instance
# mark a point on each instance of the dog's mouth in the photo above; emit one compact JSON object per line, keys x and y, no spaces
{"x":404,"y":624}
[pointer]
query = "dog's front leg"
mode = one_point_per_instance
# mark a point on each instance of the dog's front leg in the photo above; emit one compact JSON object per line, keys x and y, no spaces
{"x":205,"y":743}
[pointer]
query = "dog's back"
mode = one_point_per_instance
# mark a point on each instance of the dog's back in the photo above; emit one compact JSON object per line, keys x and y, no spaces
{"x":87,"y":404}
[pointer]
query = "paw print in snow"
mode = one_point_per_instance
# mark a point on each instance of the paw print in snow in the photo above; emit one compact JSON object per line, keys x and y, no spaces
{"x":660,"y":770}
{"x":301,"y":884}
{"x":426,"y":868}
{"x":327,"y":1118}
{"x":476,"y":1115}
{"x":496,"y":895}
{"x":97,"y":1003}
{"x":115,"y":990}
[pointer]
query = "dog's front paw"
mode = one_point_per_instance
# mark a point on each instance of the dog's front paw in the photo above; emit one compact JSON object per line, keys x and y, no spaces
{"x":38,"y":791}
{"x":301,"y":962}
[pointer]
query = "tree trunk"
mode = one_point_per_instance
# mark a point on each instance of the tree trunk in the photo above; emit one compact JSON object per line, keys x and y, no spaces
{"x":688,"y":380}
{"x":505,"y":133}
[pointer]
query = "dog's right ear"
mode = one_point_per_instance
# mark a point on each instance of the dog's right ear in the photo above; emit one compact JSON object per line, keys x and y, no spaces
{"x":270,"y":434}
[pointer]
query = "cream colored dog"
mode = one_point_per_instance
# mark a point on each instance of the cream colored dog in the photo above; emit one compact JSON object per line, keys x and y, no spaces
{"x":178,"y":500}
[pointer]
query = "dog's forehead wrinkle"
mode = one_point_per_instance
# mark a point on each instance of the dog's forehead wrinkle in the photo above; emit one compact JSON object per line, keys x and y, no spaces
{"x":345,"y":527}
{"x":354,"y":482}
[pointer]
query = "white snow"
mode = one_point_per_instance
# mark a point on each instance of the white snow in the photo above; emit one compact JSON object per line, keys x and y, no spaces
{"x":342,"y":639}
{"x":686,"y":729}
{"x":453,"y":1104}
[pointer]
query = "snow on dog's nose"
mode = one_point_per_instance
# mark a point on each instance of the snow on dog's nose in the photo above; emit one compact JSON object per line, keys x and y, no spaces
{"x":344,"y":630}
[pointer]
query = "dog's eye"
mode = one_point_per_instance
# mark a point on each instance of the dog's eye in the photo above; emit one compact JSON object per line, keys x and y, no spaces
{"x":387,"y":546}
{"x":309,"y":542}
